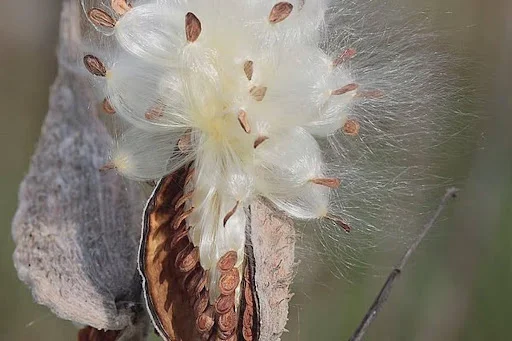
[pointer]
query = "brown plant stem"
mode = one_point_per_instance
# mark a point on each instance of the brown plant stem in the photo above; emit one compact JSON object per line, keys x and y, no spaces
{"x":383,"y":295}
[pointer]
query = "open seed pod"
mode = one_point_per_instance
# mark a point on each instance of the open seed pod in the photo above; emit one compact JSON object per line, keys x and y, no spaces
{"x":252,"y":298}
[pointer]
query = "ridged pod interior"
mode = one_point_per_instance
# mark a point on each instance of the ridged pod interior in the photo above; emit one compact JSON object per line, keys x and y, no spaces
{"x":175,"y":283}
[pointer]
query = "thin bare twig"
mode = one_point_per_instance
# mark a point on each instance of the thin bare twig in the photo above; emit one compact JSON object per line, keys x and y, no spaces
{"x":383,"y":295}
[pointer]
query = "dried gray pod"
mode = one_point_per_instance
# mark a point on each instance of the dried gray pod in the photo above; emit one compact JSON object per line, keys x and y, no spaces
{"x":76,"y":230}
{"x":273,"y":243}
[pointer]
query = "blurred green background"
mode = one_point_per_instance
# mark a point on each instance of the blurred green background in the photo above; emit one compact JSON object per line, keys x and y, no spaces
{"x":459,"y":284}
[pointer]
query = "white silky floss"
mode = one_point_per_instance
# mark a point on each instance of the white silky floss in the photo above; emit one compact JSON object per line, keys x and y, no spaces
{"x":247,"y":86}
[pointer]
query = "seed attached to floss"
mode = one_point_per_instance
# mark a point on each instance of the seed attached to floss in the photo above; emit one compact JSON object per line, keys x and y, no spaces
{"x":107,"y":107}
{"x":244,"y":123}
{"x":345,"y":89}
{"x":201,"y":285}
{"x":339,"y":222}
{"x":179,"y":219}
{"x":184,"y":143}
{"x":224,"y":303}
{"x":351,"y":127}
{"x":184,"y":198}
{"x":258,"y":92}
{"x":120,"y":6}
{"x":228,"y":261}
{"x":205,"y":321}
{"x":201,"y":303}
{"x":328,"y":182}
{"x":229,"y":281}
{"x":344,"y":56}
{"x":259,"y":141}
{"x":107,"y":167}
{"x":178,"y":238}
{"x":190,"y":175}
{"x":230,"y":213}
{"x":101,"y":18}
{"x":248,"y":69}
{"x":189,"y":260}
{"x":95,"y":66}
{"x":228,"y":322}
{"x":154,"y":113}
{"x":192,"y":280}
{"x":192,"y":27}
{"x":279,"y":12}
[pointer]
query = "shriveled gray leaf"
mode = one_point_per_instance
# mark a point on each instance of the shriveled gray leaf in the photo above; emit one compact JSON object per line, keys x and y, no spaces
{"x":77,"y":230}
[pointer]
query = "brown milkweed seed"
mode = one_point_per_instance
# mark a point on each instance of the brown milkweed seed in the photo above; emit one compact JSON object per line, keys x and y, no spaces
{"x":345,"y":89}
{"x":107,"y":107}
{"x":190,"y":175}
{"x":174,"y":200}
{"x":229,"y":281}
{"x":201,"y":285}
{"x":351,"y":127}
{"x":181,"y":201}
{"x":176,"y":223}
{"x":248,"y":295}
{"x":247,"y":333}
{"x":201,"y":303}
{"x":120,"y":6}
{"x":244,"y":123}
{"x":224,"y":335}
{"x":328,"y":182}
{"x":187,"y":259}
{"x":230,"y":213}
{"x":259,"y":140}
{"x":248,"y":314}
{"x":258,"y":92}
{"x":107,"y":167}
{"x":154,"y":113}
{"x":339,"y":222}
{"x":279,"y":12}
{"x":344,"y":56}
{"x":248,"y":69}
{"x":95,"y":66}
{"x":184,"y":142}
{"x":192,"y":27}
{"x":192,"y":280}
{"x":228,"y":261}
{"x":101,"y":18}
{"x":247,"y":323}
{"x":228,"y":321}
{"x":224,"y":303}
{"x":205,"y":321}
{"x":182,"y":254}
